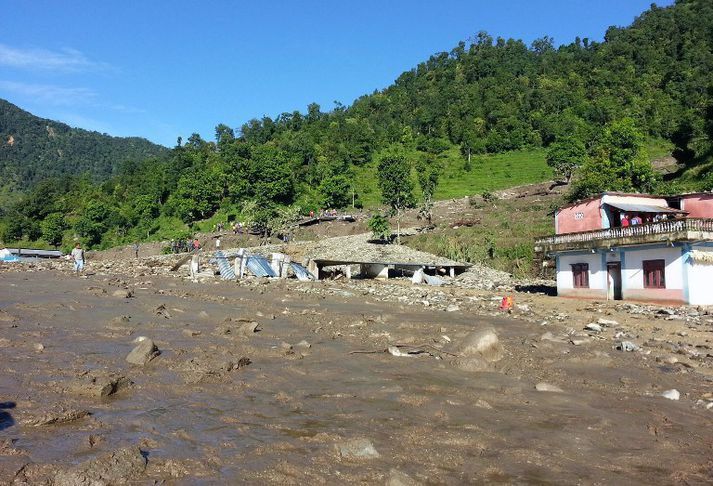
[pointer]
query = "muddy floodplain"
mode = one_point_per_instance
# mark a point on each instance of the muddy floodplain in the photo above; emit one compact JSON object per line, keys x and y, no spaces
{"x":264,"y":384}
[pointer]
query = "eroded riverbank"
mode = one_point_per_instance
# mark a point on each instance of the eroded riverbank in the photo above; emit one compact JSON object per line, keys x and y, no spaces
{"x":318,"y":378}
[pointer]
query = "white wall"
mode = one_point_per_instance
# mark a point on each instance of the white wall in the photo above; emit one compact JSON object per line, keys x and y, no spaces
{"x":700,"y":280}
{"x":597,"y":275}
{"x":632,"y":272}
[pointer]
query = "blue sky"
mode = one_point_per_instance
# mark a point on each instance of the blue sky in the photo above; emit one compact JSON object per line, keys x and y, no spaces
{"x":160,"y":69}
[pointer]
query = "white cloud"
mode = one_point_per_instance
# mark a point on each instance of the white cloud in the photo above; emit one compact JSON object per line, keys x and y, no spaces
{"x":53,"y":95}
{"x":65,"y":60}
{"x":50,"y":94}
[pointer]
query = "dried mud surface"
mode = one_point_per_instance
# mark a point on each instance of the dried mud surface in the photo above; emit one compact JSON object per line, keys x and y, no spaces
{"x":288,"y":383}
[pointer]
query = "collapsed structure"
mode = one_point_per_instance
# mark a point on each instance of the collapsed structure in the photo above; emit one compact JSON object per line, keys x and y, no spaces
{"x":346,"y":256}
{"x":634,"y":246}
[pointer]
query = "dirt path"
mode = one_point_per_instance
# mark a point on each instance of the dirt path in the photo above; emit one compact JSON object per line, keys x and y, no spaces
{"x":200,"y":413}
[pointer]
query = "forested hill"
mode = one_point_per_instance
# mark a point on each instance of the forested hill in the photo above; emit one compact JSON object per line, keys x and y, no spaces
{"x":33,"y":148}
{"x":587,"y":107}
{"x":494,"y":94}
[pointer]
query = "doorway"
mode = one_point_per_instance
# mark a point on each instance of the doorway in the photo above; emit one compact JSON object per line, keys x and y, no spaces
{"x":614,"y":281}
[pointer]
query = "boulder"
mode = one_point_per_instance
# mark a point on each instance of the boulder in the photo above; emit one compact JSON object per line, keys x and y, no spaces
{"x":482,"y":344}
{"x":143,"y":353}
{"x":477,"y":350}
{"x":357,"y":449}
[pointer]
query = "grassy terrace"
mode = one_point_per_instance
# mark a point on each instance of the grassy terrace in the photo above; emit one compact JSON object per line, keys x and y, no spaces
{"x":487,"y":173}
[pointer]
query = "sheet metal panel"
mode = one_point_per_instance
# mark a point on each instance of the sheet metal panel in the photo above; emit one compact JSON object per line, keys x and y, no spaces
{"x":224,"y":267}
{"x":643,"y":208}
{"x":259,"y":266}
{"x":302,"y":274}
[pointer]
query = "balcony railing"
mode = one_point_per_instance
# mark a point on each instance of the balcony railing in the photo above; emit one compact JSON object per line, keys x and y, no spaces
{"x":674,"y":227}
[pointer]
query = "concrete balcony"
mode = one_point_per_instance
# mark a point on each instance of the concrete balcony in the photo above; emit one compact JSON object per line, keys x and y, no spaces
{"x":678,"y":230}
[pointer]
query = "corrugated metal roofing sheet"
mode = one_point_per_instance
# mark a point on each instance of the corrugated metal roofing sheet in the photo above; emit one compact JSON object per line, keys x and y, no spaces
{"x":643,"y":208}
{"x":226,"y":270}
{"x":302,"y":274}
{"x":259,"y":266}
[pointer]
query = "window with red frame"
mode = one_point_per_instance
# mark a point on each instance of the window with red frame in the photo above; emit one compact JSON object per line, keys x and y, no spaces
{"x":580,"y":272}
{"x":654,"y":274}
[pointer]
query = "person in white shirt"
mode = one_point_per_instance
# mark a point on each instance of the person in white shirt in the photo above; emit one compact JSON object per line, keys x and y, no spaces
{"x":78,"y":257}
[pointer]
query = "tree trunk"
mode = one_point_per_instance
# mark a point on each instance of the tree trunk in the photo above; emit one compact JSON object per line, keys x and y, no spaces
{"x":398,"y":226}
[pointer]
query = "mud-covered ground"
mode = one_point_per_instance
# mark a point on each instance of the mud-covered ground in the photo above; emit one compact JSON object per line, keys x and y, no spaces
{"x":312,"y":398}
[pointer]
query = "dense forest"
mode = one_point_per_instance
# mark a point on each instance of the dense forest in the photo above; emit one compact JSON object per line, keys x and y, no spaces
{"x":33,"y":148}
{"x":590,"y":105}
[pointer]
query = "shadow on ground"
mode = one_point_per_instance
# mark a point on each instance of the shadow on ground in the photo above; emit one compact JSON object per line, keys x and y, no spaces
{"x":6,"y":420}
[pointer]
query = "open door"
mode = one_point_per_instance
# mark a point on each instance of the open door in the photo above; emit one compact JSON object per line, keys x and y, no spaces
{"x":614,"y":280}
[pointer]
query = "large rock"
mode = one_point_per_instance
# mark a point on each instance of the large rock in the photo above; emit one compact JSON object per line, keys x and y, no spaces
{"x":143,"y":353}
{"x":357,"y":449}
{"x":122,"y":466}
{"x":98,"y":384}
{"x":477,"y":350}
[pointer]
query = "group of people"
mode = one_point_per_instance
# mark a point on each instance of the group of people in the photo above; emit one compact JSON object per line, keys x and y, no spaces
{"x":183,"y":246}
{"x":636,"y":219}
{"x":237,"y":227}
{"x":325,"y":213}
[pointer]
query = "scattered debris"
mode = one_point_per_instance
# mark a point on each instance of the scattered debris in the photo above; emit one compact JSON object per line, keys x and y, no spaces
{"x":593,"y":327}
{"x":162,"y":311}
{"x":626,"y":346}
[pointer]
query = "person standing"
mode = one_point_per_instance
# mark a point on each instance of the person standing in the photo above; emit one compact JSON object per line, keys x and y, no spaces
{"x":136,"y":249}
{"x":78,"y":257}
{"x":217,"y":243}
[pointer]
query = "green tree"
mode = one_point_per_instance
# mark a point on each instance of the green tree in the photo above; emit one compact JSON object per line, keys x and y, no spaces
{"x":620,"y":164}
{"x":93,"y":222}
{"x":380,"y":227}
{"x":428,"y":173}
{"x":565,"y":156}
{"x":197,"y":195}
{"x":336,"y":191}
{"x":13,"y":230}
{"x":270,"y":175}
{"x":53,"y":228}
{"x":394,"y":178}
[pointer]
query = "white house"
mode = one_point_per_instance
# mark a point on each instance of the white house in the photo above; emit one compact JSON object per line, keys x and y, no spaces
{"x":635,"y":247}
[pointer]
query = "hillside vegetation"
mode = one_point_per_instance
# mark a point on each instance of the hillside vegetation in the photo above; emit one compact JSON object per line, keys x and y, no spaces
{"x":33,"y":149}
{"x":488,"y":114}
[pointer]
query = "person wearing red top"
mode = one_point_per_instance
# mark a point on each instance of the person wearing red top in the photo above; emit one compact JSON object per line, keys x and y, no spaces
{"x":625,"y":221}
